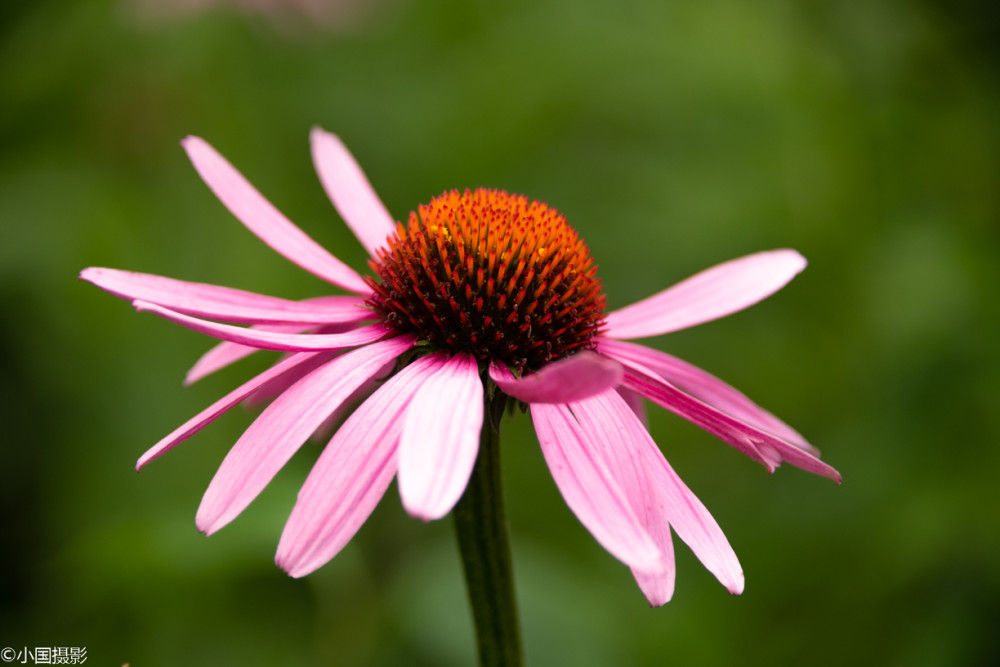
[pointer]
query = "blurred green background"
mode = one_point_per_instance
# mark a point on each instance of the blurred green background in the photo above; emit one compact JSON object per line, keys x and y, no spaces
{"x":673,"y":135}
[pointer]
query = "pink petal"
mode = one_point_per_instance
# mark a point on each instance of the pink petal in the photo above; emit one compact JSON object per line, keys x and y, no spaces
{"x":226,"y":353}
{"x":264,"y":220}
{"x":270,"y":391}
{"x":440,"y":438}
{"x":270,"y":340}
{"x":281,"y":429}
{"x":590,"y":489}
{"x":351,"y":474}
{"x":569,"y":379}
{"x":349,"y":190}
{"x":657,"y":584}
{"x":711,"y":294}
{"x":706,"y":387}
{"x":360,"y":394}
{"x":224,"y":303}
{"x":208,"y":415}
{"x":763,"y":447}
{"x":619,"y":456}
{"x":657,"y":494}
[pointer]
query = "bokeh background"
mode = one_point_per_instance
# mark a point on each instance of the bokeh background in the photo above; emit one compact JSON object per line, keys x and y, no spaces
{"x":673,"y":135}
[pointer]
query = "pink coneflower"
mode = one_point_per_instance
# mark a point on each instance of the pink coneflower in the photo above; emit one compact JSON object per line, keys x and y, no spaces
{"x":482,"y":299}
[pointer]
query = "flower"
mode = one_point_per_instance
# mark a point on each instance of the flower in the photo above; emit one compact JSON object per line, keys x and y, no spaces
{"x":480,"y":291}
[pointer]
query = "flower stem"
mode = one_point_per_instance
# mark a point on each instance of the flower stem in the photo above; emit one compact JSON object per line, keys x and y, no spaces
{"x":481,"y":528}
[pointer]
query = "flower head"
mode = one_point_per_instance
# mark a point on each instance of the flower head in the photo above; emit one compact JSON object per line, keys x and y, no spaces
{"x":492,"y":274}
{"x":480,"y":289}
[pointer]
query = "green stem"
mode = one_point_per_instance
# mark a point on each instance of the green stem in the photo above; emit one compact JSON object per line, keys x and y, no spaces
{"x":485,"y":549}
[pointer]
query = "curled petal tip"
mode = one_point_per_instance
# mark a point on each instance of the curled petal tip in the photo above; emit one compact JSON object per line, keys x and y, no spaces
{"x":142,"y":461}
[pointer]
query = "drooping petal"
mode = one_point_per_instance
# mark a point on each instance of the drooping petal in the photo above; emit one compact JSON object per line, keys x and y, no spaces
{"x":348,"y":188}
{"x":224,"y":303}
{"x":281,"y":429}
{"x":590,"y":489}
{"x":440,"y":438}
{"x":351,"y":474}
{"x":226,"y":353}
{"x":327,"y":428}
{"x":270,"y":391}
{"x":706,"y":387}
{"x":233,"y":398}
{"x":657,"y":494}
{"x":570,"y":379}
{"x":692,"y":521}
{"x":657,"y":584}
{"x":711,"y":294}
{"x":263,"y":219}
{"x":766,"y":448}
{"x":270,"y":340}
{"x":619,"y":456}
